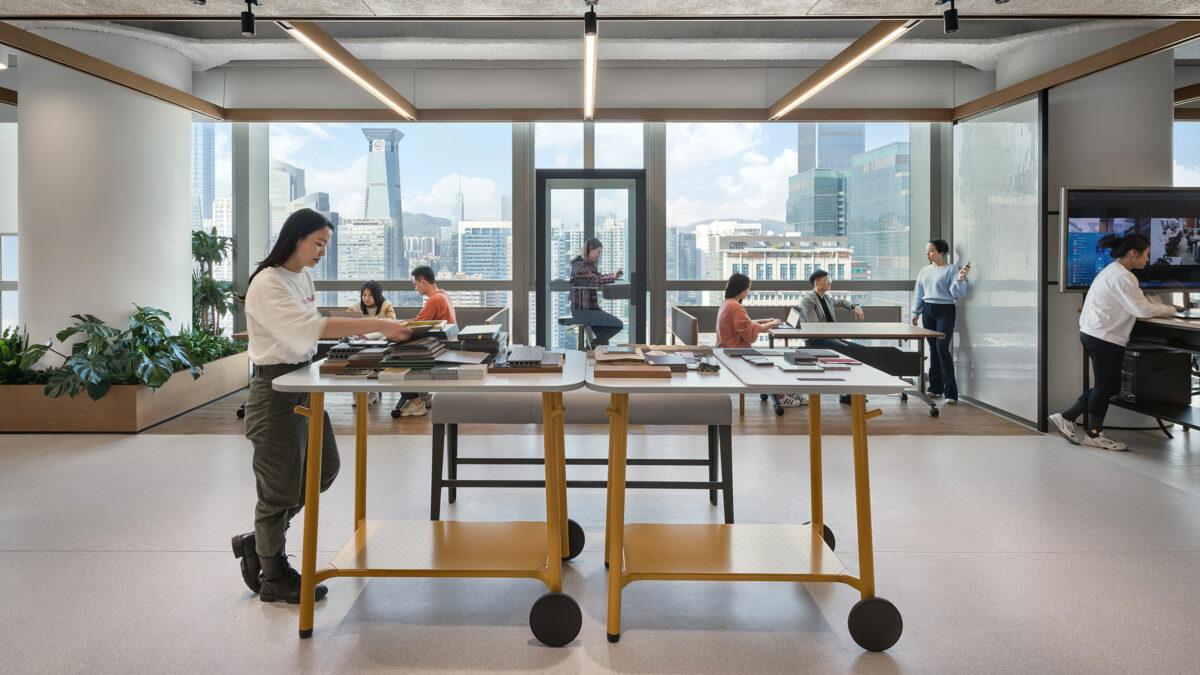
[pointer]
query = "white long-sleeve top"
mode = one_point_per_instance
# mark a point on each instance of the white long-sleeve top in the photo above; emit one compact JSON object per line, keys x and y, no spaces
{"x":1114,"y":302}
{"x":282,"y":317}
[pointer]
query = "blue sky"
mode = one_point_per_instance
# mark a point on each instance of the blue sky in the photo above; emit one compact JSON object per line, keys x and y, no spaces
{"x":713,"y":170}
{"x":1187,"y":154}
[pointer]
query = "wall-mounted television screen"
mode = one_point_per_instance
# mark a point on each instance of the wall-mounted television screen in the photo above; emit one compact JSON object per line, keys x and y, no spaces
{"x":1168,"y":217}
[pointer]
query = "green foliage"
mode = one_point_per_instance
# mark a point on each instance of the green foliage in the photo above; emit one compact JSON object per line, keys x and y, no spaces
{"x":17,"y":358}
{"x":211,"y":299}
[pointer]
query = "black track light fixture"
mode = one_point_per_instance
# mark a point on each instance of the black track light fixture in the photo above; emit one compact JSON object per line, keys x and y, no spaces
{"x":248,"y":18}
{"x":950,"y":16}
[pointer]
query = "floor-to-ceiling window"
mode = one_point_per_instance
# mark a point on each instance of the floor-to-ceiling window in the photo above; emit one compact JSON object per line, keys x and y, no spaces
{"x":1187,"y":154}
{"x":212,"y":191}
{"x":401,"y":196}
{"x":8,"y":225}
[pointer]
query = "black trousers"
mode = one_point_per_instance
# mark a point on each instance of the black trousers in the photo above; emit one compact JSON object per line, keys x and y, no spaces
{"x":941,"y":367}
{"x":1106,"y":359}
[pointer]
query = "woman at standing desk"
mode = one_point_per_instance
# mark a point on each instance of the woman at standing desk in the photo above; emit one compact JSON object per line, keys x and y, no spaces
{"x":585,"y":304}
{"x":1113,"y":303}
{"x":938,"y":286}
{"x":284,"y":326}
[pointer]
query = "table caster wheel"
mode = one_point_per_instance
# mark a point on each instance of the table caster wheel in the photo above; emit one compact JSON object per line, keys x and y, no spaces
{"x":763,"y":397}
{"x":827,"y":535}
{"x":934,"y":412}
{"x":903,"y":398}
{"x":555,"y":619}
{"x":778,"y":410}
{"x":575,"y":539}
{"x":241,"y":412}
{"x":875,"y":624}
{"x":395,"y":414}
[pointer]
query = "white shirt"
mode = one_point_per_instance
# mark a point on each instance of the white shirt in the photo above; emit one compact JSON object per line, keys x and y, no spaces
{"x":282,"y":317}
{"x":1114,"y":302}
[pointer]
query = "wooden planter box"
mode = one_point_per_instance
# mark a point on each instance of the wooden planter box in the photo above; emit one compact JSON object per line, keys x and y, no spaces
{"x":125,"y":408}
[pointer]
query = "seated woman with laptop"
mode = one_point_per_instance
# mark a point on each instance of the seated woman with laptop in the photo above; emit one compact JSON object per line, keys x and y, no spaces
{"x":736,"y":330}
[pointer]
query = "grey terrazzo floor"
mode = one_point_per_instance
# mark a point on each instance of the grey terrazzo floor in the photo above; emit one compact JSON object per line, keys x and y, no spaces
{"x":1004,"y":554}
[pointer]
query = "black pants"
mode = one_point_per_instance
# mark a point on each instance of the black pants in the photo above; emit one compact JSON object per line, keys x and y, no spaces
{"x":604,"y":325}
{"x":1106,"y":359}
{"x":941,"y":367}
{"x":843,"y":347}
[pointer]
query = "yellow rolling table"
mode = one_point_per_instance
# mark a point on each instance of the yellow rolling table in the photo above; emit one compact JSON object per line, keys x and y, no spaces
{"x":738,"y":552}
{"x":533,"y":550}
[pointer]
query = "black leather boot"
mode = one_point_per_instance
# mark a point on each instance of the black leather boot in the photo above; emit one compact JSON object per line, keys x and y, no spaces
{"x":281,"y":583}
{"x":243,"y":550}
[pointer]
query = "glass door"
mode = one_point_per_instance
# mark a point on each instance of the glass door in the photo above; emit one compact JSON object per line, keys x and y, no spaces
{"x":574,"y":205}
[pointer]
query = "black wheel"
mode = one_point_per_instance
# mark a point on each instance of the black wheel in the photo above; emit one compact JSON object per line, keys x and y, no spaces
{"x":934,"y":412}
{"x":763,"y":397}
{"x":555,"y":619}
{"x":903,"y":397}
{"x":575,"y":539}
{"x":241,"y":412}
{"x":875,"y":624}
{"x":778,"y":410}
{"x":395,"y":414}
{"x":827,"y":535}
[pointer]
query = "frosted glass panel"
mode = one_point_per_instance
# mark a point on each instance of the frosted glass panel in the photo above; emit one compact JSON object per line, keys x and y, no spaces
{"x":996,"y":183}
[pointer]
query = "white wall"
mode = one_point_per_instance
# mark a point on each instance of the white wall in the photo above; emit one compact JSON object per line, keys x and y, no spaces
{"x":104,"y":189}
{"x":8,"y":177}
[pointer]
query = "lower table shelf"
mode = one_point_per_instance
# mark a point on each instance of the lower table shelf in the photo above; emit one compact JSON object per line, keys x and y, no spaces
{"x":729,"y":552}
{"x":384,"y":548}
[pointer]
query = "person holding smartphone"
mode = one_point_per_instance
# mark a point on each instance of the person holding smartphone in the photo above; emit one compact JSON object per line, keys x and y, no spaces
{"x":938,"y":286}
{"x":585,"y":301}
{"x":284,"y":325}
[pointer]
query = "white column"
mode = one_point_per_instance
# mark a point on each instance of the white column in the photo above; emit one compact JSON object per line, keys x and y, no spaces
{"x":105,"y":184}
{"x":1110,"y":129}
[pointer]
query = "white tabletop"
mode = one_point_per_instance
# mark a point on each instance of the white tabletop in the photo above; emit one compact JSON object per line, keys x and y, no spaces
{"x":734,"y":378}
{"x":310,"y":379}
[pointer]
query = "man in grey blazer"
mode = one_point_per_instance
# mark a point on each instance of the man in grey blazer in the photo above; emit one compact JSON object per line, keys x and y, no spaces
{"x":815,"y":307}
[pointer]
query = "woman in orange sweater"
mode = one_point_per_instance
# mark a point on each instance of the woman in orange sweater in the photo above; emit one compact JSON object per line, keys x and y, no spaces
{"x":735,"y":328}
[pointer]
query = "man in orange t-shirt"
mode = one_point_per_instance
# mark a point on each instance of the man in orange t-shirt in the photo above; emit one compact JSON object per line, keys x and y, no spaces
{"x":437,"y":308}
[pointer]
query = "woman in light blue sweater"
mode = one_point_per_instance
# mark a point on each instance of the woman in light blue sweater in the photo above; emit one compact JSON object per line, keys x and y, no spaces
{"x":938,"y":285}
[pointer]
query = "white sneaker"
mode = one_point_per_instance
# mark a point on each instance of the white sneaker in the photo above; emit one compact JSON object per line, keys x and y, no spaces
{"x":373,"y":398}
{"x":414,"y":407}
{"x":1066,"y":427}
{"x":1103,"y":442}
{"x":427,"y":399}
{"x":792,"y":400}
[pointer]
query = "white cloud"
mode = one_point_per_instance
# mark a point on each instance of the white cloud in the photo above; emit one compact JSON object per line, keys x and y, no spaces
{"x":683,"y":211}
{"x":758,"y":189}
{"x":692,"y":145}
{"x":481,"y":199}
{"x":1186,"y":176}
{"x":618,"y":146}
{"x":346,"y":187}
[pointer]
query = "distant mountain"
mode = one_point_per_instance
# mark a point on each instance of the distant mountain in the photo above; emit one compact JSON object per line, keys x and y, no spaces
{"x":769,"y":226}
{"x":423,"y":225}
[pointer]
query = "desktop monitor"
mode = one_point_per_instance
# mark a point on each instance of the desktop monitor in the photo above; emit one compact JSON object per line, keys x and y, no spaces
{"x":1168,"y":217}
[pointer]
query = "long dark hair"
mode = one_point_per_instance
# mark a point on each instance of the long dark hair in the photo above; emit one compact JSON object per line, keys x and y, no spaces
{"x":376,"y":289}
{"x":1120,"y":245}
{"x":297,"y":226}
{"x":737,"y":283}
{"x":588,"y":246}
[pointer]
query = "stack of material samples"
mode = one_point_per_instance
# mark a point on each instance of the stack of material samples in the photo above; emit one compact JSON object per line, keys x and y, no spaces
{"x":523,"y":359}
{"x":485,"y":338}
{"x":676,"y":362}
{"x":619,"y":356}
{"x":415,"y":354}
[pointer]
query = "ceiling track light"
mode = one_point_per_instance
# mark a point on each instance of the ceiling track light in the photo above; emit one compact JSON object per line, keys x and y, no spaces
{"x":950,"y":16}
{"x":589,"y":60}
{"x":248,"y":18}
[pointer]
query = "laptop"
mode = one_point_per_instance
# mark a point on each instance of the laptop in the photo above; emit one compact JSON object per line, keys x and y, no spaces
{"x":1188,"y":314}
{"x":793,"y":318}
{"x":345,"y":314}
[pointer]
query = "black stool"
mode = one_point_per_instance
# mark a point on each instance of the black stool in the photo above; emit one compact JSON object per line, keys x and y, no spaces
{"x":584,"y":343}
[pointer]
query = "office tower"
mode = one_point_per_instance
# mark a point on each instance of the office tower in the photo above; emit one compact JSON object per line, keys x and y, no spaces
{"x":369,"y":248}
{"x":203,"y":173}
{"x":285,"y":183}
{"x":806,"y":146}
{"x":786,"y":258}
{"x":877,"y":213}
{"x":485,"y":252}
{"x":448,"y":249}
{"x":328,"y":269}
{"x":383,"y":175}
{"x":458,"y":214}
{"x":816,"y":203}
{"x":506,"y":207}
{"x":564,"y":246}
{"x":222,"y":221}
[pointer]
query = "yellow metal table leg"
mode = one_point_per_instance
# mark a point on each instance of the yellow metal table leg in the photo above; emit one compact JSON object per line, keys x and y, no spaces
{"x":561,"y":444}
{"x":814,"y":464}
{"x":608,"y":494}
{"x":551,"y":415}
{"x":862,"y":496}
{"x":618,"y":413}
{"x":360,"y":458}
{"x":312,"y":496}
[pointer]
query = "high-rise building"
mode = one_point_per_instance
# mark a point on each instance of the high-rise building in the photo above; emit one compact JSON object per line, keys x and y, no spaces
{"x":564,"y":246}
{"x":369,"y":248}
{"x":383,"y":175}
{"x":222,"y":221}
{"x":459,"y":213}
{"x":613,"y":235}
{"x":506,"y":207}
{"x":485,"y":252}
{"x":816,"y":203}
{"x":285,"y":184}
{"x":806,"y":146}
{"x":776,"y":258}
{"x":877,"y":215}
{"x":828,"y":145}
{"x":708,"y":265}
{"x":448,"y":250}
{"x":328,"y":268}
{"x":203,"y":173}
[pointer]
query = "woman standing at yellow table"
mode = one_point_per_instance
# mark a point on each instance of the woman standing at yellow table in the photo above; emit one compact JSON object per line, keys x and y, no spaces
{"x":284,"y":326}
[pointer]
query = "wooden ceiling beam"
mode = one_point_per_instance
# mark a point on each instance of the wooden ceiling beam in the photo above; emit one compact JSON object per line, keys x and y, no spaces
{"x":1188,"y":94}
{"x":8,"y":96}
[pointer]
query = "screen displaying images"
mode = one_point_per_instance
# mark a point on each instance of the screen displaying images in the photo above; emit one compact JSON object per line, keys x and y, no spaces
{"x":1169,"y":219}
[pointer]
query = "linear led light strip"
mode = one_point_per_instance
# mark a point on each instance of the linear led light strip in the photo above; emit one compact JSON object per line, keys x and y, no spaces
{"x":589,"y":64}
{"x":346,"y":70}
{"x":847,"y":67}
